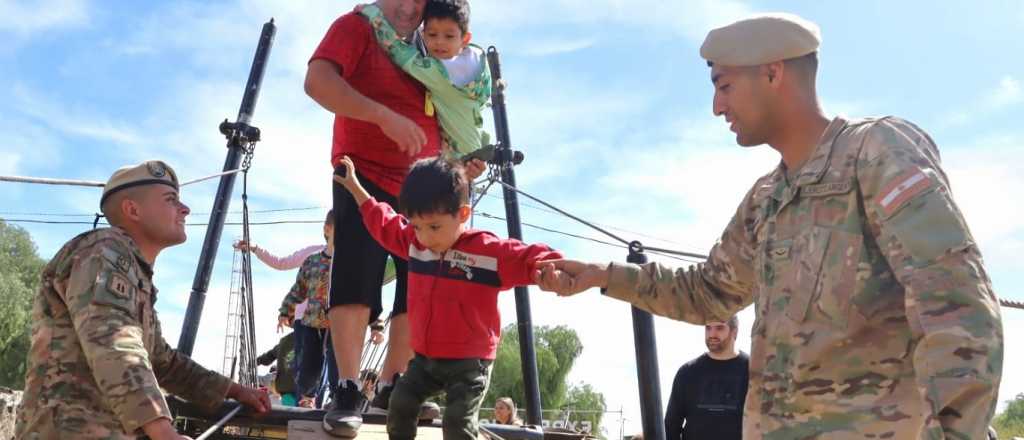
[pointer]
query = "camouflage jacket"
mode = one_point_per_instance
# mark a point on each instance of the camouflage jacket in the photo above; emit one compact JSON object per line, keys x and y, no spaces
{"x":875,"y":317}
{"x":98,"y":358}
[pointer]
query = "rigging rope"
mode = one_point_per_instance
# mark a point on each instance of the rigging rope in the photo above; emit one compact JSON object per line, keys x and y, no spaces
{"x":93,"y":183}
{"x":492,"y":177}
{"x":247,"y":369}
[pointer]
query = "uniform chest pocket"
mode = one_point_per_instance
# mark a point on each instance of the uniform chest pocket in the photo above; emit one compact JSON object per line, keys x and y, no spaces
{"x":824,"y":276}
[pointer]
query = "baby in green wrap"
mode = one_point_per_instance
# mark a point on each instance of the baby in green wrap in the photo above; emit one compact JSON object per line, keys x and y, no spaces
{"x":454,"y":71}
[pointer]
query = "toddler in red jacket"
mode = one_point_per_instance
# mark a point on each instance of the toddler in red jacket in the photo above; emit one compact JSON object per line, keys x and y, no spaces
{"x":455,"y":274}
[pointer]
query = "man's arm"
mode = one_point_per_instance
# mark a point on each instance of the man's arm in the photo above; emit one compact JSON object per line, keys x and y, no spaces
{"x":715,"y":289}
{"x":184,"y":377}
{"x":328,"y":88}
{"x":102,"y":301}
{"x":952,"y":311}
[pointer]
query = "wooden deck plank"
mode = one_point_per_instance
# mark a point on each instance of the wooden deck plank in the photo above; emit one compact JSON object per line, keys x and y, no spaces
{"x":311,"y":430}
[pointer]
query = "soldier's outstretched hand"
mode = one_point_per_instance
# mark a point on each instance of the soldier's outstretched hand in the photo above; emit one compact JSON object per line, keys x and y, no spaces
{"x":569,"y":277}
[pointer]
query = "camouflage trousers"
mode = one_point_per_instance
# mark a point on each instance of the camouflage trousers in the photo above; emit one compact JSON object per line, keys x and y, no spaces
{"x":464,"y":382}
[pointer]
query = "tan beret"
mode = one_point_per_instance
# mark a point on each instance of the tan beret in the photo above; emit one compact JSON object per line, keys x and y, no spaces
{"x":761,"y":39}
{"x":147,"y":173}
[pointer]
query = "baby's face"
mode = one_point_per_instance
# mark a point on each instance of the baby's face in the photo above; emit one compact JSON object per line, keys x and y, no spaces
{"x":443,"y":37}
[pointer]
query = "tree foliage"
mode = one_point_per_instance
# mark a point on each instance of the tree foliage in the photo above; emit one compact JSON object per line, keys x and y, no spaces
{"x":557,"y":349}
{"x":20,"y":267}
{"x":1010,"y":423}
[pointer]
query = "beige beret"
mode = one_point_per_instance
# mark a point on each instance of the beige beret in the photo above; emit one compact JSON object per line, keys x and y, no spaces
{"x":147,"y":173}
{"x":761,"y":39}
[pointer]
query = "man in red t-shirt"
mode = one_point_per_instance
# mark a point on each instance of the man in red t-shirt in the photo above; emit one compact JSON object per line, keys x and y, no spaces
{"x":381,"y":124}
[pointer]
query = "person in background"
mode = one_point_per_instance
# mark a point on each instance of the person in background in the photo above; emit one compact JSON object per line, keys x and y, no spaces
{"x":505,"y":412}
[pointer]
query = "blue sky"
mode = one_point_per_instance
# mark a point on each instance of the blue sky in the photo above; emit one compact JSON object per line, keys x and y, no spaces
{"x":608,"y":98}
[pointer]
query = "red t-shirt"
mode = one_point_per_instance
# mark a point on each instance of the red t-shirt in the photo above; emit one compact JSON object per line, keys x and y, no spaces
{"x":351,"y":45}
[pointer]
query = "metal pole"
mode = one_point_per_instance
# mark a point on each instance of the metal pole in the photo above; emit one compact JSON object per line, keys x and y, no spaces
{"x":506,"y":156}
{"x":239,"y":134}
{"x":220,"y":423}
{"x":647,"y":362}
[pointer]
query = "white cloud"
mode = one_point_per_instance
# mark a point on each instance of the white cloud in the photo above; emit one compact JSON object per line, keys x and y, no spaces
{"x":1006,"y":94}
{"x":557,"y":47}
{"x":73,"y":119}
{"x":9,"y":163}
{"x":691,"y":20}
{"x":29,"y":17}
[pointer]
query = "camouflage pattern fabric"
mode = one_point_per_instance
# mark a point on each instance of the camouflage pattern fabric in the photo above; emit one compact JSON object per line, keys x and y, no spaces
{"x":875,"y":318}
{"x":458,"y":108}
{"x":98,"y":359}
{"x":310,"y":284}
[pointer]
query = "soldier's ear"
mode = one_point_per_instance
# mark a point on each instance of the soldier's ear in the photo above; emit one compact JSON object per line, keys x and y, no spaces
{"x":130,"y":209}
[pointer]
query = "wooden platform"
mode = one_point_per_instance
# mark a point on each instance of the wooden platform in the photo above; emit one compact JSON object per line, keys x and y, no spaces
{"x":310,"y":430}
{"x":307,"y":424}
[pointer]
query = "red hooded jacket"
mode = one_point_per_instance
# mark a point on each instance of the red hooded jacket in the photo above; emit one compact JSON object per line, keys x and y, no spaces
{"x":453,"y":296}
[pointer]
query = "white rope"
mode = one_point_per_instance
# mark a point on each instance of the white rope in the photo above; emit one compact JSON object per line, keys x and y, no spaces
{"x":51,"y":181}
{"x":70,"y":182}
{"x":225,"y":173}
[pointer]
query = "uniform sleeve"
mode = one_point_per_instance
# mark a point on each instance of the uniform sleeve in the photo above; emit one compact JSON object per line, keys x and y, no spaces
{"x":675,"y":412}
{"x":298,"y":292}
{"x":952,"y":311}
{"x":715,"y":289}
{"x":105,"y":314}
{"x":391,"y":230}
{"x":345,"y":43}
{"x":184,"y":377}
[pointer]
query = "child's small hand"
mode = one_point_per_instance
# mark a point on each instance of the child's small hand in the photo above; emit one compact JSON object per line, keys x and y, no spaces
{"x":282,"y":322}
{"x":349,"y":179}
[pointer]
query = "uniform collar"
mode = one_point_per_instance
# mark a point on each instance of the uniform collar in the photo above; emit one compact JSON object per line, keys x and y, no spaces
{"x":812,"y":170}
{"x":136,"y":252}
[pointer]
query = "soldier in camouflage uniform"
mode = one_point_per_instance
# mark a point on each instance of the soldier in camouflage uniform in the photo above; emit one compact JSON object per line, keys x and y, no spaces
{"x":98,"y":359}
{"x":874,"y":316}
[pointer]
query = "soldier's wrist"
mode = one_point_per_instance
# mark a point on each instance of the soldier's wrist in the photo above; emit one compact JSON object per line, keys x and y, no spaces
{"x":160,"y":429}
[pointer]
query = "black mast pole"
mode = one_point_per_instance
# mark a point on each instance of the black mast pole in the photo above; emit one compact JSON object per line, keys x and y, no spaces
{"x":240,"y":135}
{"x":646,"y":348}
{"x":506,"y":157}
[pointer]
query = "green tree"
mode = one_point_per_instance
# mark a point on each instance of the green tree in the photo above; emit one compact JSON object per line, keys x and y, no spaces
{"x":20,"y":267}
{"x":1010,"y":423}
{"x":584,"y":404}
{"x":557,"y":349}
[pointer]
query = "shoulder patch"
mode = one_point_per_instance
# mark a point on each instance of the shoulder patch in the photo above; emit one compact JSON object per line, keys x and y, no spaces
{"x":901,"y":189}
{"x":118,"y":259}
{"x":119,"y":286}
